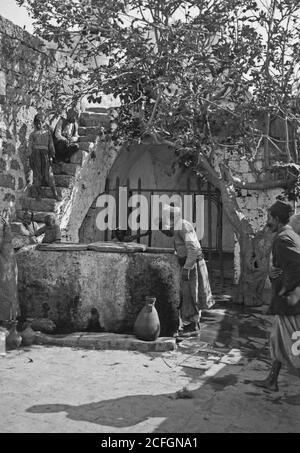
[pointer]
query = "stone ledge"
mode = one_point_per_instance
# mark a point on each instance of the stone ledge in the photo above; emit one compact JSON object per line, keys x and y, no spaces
{"x":102,"y":341}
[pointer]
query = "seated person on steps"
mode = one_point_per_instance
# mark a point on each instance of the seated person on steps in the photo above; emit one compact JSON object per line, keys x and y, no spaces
{"x":65,"y":136}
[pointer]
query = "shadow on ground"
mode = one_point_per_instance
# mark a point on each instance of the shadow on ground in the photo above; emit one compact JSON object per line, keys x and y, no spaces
{"x":223,"y":329}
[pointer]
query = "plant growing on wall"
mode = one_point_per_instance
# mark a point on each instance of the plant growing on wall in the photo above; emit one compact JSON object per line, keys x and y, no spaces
{"x":209,"y":78}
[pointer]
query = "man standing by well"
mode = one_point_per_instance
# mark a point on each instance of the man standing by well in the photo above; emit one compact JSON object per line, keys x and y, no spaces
{"x":195,"y":287}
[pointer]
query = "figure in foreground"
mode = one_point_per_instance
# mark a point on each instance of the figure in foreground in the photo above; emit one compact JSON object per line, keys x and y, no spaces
{"x":195,"y":287}
{"x":285,"y":301}
{"x":9,"y":305}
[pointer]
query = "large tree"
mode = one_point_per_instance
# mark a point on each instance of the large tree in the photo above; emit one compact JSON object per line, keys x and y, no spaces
{"x":200,"y":76}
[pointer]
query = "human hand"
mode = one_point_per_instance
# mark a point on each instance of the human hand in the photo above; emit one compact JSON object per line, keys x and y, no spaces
{"x":185,"y":274}
{"x":275,"y":272}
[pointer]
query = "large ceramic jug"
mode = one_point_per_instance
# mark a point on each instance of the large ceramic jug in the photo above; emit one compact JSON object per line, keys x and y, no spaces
{"x":147,"y":325}
{"x":28,"y":334}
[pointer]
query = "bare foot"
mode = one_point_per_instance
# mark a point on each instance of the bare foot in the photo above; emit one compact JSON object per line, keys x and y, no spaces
{"x":267,"y":384}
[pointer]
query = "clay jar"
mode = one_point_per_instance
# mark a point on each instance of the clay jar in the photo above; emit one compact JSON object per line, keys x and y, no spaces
{"x":147,"y":325}
{"x":27,"y":334}
{"x":13,"y":339}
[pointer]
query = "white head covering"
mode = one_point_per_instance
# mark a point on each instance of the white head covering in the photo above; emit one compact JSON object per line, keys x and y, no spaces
{"x":167,"y":212}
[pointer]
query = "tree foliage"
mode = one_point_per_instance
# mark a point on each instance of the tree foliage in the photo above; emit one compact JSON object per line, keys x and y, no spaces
{"x":197,"y":74}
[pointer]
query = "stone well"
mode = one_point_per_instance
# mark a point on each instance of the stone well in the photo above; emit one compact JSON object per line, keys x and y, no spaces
{"x":65,"y":281}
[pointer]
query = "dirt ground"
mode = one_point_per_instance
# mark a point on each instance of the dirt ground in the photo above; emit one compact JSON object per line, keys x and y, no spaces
{"x":203,"y":387}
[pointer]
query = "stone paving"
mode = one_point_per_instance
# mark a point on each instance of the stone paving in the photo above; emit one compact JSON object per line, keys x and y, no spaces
{"x":203,"y":386}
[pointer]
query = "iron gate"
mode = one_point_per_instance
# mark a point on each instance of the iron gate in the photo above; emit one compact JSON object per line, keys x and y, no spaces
{"x":213,"y":250}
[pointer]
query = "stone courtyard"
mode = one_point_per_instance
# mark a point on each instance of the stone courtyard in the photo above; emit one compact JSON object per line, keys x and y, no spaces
{"x":202,"y":387}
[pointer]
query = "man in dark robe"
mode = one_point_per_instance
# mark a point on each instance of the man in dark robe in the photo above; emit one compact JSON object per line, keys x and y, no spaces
{"x":285,"y":300}
{"x":9,"y":304}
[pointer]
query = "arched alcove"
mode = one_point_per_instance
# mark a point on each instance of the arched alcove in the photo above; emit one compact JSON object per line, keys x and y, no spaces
{"x":158,"y":171}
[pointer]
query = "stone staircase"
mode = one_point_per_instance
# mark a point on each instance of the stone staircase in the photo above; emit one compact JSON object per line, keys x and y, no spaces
{"x":91,"y":123}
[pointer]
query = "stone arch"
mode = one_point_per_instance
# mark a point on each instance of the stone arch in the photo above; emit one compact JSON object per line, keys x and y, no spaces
{"x":156,"y":165}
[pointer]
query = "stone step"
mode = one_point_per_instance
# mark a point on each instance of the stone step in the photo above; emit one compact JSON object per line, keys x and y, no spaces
{"x":96,"y":109}
{"x":78,"y":157}
{"x":47,"y":192}
{"x":45,"y":204}
{"x":63,"y":168}
{"x":38,"y":216}
{"x":92,"y":130}
{"x":86,"y":146}
{"x":94,"y":119}
{"x":64,"y":180}
{"x":87,"y":138}
{"x":105,"y":340}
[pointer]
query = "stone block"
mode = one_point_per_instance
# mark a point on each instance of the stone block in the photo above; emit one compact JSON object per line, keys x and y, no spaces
{"x":47,"y":192}
{"x":72,"y":282}
{"x":3,"y":165}
{"x":38,"y":216}
{"x":9,"y":197}
{"x":20,"y":184}
{"x":8,"y":148}
{"x":107,"y":341}
{"x":91,"y":130}
{"x":86,"y":146}
{"x":93,"y":119}
{"x":7,"y":181}
{"x":63,"y":168}
{"x":64,"y":180}
{"x":14,"y":165}
{"x":78,"y":157}
{"x":45,"y":204}
{"x":87,"y":138}
{"x":96,"y":109}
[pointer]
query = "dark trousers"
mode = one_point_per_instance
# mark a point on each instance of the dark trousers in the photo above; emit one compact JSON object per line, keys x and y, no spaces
{"x":63,"y":150}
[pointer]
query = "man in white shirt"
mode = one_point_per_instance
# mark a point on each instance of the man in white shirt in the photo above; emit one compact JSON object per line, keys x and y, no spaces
{"x":195,"y":287}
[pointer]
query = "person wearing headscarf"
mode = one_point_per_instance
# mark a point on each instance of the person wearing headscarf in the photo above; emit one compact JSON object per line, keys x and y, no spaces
{"x":51,"y":230}
{"x":41,"y":153}
{"x":9,"y":303}
{"x":65,"y":136}
{"x":285,"y":299}
{"x":194,"y":284}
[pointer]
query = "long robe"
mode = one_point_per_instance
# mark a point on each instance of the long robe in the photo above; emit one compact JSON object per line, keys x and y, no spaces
{"x":196,"y":292}
{"x":286,"y":327}
{"x":9,"y":305}
{"x":41,"y":149}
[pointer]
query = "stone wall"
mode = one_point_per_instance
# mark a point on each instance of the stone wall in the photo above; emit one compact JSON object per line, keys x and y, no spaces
{"x":89,"y":183}
{"x":24,"y":65}
{"x":66,"y":285}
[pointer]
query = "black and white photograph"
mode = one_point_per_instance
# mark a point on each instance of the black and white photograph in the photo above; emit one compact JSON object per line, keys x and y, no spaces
{"x":149,"y":219}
